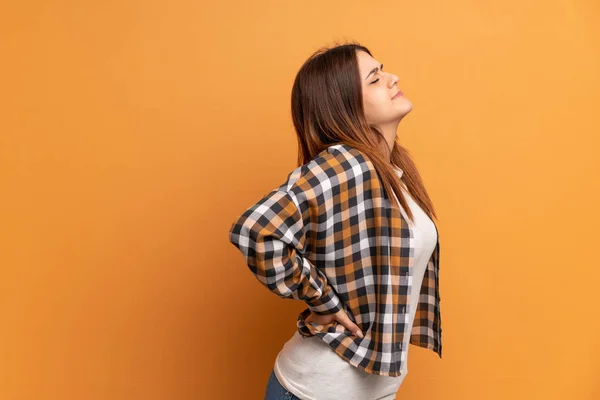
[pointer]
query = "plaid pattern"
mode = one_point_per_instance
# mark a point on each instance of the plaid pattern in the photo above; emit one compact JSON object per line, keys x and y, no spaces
{"x":329,"y":236}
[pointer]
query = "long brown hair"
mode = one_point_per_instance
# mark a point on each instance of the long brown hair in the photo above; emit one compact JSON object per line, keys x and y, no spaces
{"x":327,"y":109}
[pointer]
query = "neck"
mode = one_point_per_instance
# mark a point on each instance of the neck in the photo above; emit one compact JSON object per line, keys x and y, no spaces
{"x":389,"y":133}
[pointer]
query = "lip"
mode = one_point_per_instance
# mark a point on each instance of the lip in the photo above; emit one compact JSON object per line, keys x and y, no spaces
{"x":398,"y":94}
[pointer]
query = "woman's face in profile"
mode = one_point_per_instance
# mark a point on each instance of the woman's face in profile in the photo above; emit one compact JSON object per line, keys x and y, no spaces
{"x":379,"y":88}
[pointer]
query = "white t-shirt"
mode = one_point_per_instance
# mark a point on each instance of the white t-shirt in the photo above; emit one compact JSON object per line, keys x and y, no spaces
{"x":311,"y":370}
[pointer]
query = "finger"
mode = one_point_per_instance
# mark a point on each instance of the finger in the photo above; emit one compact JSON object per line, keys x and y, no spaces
{"x":343,"y":319}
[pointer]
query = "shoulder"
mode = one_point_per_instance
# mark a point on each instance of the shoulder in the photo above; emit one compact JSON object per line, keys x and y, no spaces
{"x":339,"y":164}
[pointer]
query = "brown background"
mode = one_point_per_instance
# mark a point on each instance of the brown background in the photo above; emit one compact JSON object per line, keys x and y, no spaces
{"x":133,"y":133}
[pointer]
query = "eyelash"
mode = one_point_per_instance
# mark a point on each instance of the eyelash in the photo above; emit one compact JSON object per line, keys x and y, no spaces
{"x":375,"y":81}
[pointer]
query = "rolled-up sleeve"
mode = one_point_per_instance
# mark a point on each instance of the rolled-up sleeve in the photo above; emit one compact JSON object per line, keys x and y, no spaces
{"x":271,"y":236}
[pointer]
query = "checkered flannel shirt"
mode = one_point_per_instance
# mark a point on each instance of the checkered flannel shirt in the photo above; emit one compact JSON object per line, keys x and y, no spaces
{"x":329,"y":236}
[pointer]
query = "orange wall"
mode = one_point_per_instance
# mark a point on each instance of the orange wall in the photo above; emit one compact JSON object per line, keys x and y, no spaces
{"x":134,"y":132}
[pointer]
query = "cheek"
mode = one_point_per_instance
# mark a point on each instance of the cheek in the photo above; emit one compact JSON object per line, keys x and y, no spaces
{"x":376,"y":98}
{"x":376,"y":102}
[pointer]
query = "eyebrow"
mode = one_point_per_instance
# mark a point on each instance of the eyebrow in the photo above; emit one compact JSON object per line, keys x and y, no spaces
{"x":373,"y":71}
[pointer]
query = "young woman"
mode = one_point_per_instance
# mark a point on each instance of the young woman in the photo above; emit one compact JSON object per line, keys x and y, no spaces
{"x":350,"y":232}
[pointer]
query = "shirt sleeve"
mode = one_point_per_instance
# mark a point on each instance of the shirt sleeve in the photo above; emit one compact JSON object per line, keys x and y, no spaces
{"x":271,"y":235}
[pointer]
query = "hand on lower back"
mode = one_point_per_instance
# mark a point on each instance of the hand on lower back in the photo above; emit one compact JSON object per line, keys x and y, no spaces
{"x":340,"y":317}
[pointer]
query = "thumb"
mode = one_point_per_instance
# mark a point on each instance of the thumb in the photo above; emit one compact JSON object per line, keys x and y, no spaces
{"x":343,"y":319}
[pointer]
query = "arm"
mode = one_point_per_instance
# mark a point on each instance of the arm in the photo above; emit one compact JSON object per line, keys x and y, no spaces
{"x":271,"y":236}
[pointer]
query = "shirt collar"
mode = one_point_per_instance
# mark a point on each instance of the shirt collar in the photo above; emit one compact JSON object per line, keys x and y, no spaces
{"x":399,"y":172}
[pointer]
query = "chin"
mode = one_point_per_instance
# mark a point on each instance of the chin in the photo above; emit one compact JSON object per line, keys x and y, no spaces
{"x":405,"y":108}
{"x":404,"y":111}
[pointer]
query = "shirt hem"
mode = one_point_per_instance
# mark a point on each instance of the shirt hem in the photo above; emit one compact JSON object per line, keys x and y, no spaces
{"x":287,"y":385}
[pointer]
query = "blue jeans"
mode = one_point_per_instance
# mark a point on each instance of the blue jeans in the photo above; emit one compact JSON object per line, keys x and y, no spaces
{"x":276,"y":391}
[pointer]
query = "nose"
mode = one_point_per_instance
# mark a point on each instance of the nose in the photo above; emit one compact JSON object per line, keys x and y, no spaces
{"x":393,"y":79}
